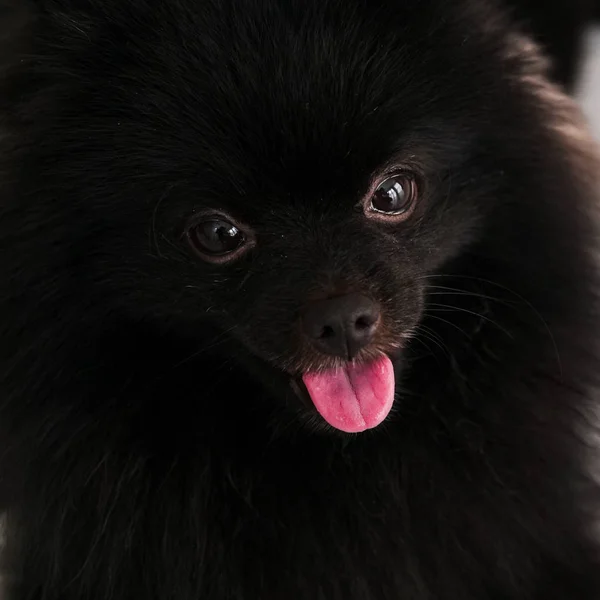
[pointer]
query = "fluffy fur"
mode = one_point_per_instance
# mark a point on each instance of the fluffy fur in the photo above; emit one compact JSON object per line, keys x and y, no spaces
{"x":151,"y":443}
{"x":558,"y":26}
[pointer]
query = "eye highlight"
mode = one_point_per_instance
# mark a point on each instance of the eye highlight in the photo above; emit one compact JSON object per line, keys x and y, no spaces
{"x":394,"y":198}
{"x":215,"y":239}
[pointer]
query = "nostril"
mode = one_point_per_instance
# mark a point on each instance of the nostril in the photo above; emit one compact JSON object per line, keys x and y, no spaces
{"x":327,"y":332}
{"x":364,"y":322}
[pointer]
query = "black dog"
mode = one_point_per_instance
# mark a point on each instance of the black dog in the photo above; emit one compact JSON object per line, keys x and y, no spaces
{"x":236,"y":233}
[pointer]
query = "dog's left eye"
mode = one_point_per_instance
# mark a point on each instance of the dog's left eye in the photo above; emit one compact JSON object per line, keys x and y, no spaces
{"x":393,"y":197}
{"x":216,"y":239}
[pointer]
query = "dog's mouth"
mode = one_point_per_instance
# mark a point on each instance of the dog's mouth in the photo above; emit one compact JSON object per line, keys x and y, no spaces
{"x":353,"y":397}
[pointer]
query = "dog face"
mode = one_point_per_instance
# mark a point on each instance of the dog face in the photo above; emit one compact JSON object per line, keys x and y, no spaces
{"x":287,"y":176}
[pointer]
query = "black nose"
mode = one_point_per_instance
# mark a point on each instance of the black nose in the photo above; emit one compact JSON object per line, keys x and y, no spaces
{"x":342,"y":325}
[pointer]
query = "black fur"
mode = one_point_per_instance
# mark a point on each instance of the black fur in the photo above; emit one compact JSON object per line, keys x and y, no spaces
{"x":558,"y":27}
{"x":152,"y":445}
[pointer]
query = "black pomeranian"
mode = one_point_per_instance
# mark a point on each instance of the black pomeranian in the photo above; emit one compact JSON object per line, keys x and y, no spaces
{"x":298,"y":303}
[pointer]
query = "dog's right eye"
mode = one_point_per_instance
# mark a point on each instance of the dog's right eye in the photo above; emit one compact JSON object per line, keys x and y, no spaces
{"x":216,"y":239}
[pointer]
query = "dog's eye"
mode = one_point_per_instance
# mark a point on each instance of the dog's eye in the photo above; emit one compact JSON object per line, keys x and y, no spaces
{"x":216,"y":239}
{"x":394,"y":197}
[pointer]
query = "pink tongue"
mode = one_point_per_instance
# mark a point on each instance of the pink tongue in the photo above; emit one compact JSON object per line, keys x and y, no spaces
{"x":355,"y":397}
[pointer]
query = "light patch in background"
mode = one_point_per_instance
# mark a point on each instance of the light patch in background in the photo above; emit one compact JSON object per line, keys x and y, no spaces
{"x":588,"y":89}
